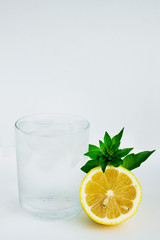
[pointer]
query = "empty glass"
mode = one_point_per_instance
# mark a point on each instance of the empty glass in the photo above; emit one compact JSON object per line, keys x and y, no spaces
{"x":50,"y":152}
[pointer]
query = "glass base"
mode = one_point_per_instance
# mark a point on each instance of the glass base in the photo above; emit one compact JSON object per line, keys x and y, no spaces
{"x":54,"y":215}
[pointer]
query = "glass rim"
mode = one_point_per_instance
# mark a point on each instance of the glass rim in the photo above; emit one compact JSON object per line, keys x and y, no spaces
{"x":51,"y":114}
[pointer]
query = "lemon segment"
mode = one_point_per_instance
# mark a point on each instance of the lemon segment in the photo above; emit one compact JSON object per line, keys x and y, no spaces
{"x":111,"y":197}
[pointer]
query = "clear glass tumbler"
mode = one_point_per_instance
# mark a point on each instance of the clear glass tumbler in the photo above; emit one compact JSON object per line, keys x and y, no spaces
{"x":50,"y":152}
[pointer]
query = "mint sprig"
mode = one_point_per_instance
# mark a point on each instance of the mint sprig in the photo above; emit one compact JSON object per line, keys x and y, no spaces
{"x":108,"y":152}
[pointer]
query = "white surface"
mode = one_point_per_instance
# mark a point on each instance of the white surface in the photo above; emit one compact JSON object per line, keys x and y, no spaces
{"x":94,"y":58}
{"x":16,"y":224}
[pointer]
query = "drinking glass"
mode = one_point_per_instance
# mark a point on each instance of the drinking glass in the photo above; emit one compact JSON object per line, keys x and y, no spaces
{"x":50,"y":152}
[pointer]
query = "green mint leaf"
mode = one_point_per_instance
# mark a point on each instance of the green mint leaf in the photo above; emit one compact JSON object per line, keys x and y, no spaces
{"x":114,"y":148}
{"x":104,"y":165}
{"x":117,"y":138}
{"x":102,"y":160}
{"x":93,"y":148}
{"x":117,"y":163}
{"x":89,"y":165}
{"x":133,"y":161}
{"x":107,"y":140}
{"x":102,"y":146}
{"x":123,"y":152}
{"x":94,"y":154}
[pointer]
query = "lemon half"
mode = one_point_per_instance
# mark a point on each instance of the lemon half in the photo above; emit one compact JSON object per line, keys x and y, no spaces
{"x":111,"y":197}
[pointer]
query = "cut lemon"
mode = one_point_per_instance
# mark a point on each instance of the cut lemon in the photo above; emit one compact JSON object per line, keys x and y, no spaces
{"x":111,"y":197}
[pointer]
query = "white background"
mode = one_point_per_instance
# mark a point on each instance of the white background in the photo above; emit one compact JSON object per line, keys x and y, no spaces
{"x":99,"y":59}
